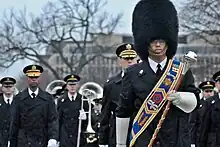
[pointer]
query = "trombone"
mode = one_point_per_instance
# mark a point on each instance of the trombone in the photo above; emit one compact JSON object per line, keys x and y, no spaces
{"x":89,"y":92}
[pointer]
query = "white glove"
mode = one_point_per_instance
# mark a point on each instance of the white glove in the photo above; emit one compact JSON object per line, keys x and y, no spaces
{"x":193,"y":145}
{"x":122,"y":125}
{"x":82,"y":115}
{"x":8,"y":143}
{"x":103,"y":145}
{"x":174,"y":97}
{"x":52,"y":143}
{"x":58,"y":144}
{"x":186,"y":101}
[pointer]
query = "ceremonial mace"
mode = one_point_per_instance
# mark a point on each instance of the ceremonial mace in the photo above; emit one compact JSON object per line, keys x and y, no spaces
{"x":189,"y":58}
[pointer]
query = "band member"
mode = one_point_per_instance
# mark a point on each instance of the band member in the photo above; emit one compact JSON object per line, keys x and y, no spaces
{"x":5,"y":105}
{"x":207,"y":88}
{"x":35,"y":119}
{"x":127,"y":56}
{"x":59,"y":93}
{"x":68,"y":107}
{"x":145,"y":85}
{"x":210,"y":124}
{"x":92,"y":140}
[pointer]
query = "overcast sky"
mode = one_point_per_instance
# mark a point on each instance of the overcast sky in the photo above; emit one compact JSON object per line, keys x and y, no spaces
{"x":34,"y":6}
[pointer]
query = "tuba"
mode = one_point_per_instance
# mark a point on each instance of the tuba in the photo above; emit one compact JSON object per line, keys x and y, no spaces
{"x":89,"y":91}
{"x":94,"y":87}
{"x":54,"y":86}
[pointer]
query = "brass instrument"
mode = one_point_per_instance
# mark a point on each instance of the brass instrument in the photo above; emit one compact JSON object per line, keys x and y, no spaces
{"x":53,"y":86}
{"x":89,"y":91}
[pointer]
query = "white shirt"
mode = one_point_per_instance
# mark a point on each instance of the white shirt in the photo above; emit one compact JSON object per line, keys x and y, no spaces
{"x":154,"y":64}
{"x":6,"y":99}
{"x":30,"y":92}
{"x":122,"y":73}
{"x":70,"y":96}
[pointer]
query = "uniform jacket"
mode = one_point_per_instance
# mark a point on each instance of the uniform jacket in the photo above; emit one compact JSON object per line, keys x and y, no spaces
{"x":210,"y":124}
{"x":34,"y":120}
{"x":5,"y":117}
{"x":69,"y":122}
{"x":195,"y":122}
{"x":137,"y":83}
{"x":108,"y":120}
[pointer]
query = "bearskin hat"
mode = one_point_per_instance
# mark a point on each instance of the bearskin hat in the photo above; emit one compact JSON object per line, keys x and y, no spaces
{"x":155,"y":19}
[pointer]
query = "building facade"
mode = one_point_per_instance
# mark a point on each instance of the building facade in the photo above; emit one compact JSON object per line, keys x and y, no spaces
{"x":100,"y":53}
{"x":104,"y":62}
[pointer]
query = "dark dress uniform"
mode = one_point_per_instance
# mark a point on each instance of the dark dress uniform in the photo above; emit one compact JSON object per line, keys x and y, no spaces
{"x":108,"y":120}
{"x":96,"y":116}
{"x":34,"y":121}
{"x":174,"y":131}
{"x":210,"y":124}
{"x":195,"y":122}
{"x":69,"y":120}
{"x":153,"y":20}
{"x":195,"y":117}
{"x":5,"y":122}
{"x":5,"y":111}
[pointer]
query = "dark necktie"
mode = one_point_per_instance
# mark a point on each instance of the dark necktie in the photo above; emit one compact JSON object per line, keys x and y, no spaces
{"x":8,"y":102}
{"x":72,"y":98}
{"x":159,"y":71}
{"x":33,"y":95}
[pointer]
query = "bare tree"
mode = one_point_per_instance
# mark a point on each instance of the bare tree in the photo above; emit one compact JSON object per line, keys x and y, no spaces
{"x":201,"y":17}
{"x":26,"y":36}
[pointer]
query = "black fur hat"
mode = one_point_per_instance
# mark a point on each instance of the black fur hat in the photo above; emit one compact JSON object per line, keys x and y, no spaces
{"x":155,"y":19}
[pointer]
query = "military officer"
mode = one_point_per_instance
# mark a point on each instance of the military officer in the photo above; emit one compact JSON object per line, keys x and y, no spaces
{"x":127,"y":56}
{"x":207,"y":88}
{"x":6,"y":99}
{"x":34,"y":115}
{"x":155,"y":32}
{"x":68,"y":107}
{"x":210,"y":124}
